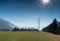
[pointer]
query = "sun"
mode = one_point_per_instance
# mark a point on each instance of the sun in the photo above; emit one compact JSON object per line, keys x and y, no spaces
{"x":45,"y":1}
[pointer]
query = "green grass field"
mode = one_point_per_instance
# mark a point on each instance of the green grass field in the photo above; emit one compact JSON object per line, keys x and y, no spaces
{"x":24,"y":36}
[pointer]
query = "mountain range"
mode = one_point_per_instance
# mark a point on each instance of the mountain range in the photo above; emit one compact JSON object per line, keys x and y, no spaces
{"x":54,"y":27}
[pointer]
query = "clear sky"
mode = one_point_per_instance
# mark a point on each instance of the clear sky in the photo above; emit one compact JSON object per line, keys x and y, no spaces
{"x":25,"y":13}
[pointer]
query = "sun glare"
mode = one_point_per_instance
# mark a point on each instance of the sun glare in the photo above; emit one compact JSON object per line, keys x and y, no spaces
{"x":45,"y":1}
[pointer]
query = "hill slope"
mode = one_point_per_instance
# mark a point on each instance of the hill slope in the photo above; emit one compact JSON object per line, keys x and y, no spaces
{"x":5,"y":24}
{"x":54,"y":27}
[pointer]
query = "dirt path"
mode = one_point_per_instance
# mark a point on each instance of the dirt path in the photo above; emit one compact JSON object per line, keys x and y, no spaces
{"x":53,"y":36}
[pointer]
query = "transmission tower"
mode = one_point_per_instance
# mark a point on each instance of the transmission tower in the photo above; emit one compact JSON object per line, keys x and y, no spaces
{"x":38,"y":23}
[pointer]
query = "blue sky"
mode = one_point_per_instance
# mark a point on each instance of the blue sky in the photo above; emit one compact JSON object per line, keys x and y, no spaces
{"x":26,"y":12}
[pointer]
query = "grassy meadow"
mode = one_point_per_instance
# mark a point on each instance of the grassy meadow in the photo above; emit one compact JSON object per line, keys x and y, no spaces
{"x":24,"y":36}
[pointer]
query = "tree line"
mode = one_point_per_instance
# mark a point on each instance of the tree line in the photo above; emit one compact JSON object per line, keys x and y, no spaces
{"x":24,"y":29}
{"x":19,"y":29}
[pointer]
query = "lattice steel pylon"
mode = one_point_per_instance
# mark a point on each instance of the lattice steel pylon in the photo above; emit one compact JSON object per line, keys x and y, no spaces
{"x":39,"y":24}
